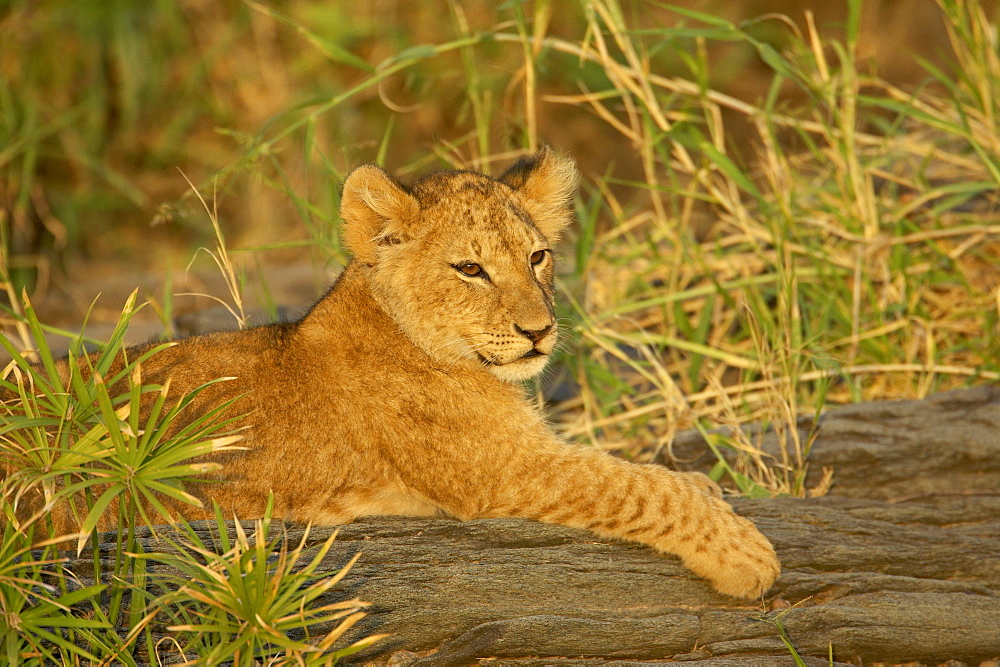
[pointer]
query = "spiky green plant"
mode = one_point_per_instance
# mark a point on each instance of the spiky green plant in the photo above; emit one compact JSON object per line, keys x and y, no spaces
{"x":250,"y":598}
{"x":37,"y":617}
{"x":68,"y":437}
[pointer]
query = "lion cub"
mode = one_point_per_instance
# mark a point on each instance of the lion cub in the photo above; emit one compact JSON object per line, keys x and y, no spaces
{"x":398,"y":392}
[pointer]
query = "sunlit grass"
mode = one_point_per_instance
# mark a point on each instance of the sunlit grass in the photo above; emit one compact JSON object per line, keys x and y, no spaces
{"x":84,"y":445}
{"x":243,"y":599}
{"x":836,"y":249}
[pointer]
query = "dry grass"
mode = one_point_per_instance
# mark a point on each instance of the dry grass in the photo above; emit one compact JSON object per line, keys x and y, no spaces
{"x":832,"y":240}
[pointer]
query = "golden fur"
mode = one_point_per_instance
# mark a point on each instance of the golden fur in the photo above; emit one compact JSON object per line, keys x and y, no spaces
{"x":397,"y":393}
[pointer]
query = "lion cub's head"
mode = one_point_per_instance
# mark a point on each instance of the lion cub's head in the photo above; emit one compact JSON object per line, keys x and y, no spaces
{"x":462,"y":261}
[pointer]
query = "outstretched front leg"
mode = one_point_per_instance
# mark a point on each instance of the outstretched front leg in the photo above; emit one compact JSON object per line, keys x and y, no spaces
{"x":574,"y":486}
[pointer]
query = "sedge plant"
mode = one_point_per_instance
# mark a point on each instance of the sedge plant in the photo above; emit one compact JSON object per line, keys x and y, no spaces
{"x":115,"y":454}
{"x":245,"y":598}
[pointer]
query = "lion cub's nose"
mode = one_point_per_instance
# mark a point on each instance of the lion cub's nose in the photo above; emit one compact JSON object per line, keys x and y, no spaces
{"x":534,"y":335}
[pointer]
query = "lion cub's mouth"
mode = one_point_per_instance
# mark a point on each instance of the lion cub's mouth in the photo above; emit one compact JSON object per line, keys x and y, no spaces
{"x":530,"y":354}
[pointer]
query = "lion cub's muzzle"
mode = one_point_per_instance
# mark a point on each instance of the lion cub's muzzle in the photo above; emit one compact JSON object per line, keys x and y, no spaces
{"x":518,"y":355}
{"x":536,"y":336}
{"x":542,"y":340}
{"x":522,"y":344}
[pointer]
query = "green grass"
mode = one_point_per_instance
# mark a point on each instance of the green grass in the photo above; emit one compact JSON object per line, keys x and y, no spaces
{"x":69,"y":439}
{"x":833,"y":239}
{"x":243,"y":599}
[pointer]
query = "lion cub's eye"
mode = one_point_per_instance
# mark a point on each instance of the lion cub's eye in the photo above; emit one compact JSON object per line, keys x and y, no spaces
{"x":537,"y":257}
{"x":471,"y":270}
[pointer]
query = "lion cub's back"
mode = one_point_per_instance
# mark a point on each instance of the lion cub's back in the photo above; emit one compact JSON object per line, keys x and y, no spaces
{"x":248,"y":357}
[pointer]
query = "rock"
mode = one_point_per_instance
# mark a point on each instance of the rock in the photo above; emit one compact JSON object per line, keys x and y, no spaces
{"x":900,"y":571}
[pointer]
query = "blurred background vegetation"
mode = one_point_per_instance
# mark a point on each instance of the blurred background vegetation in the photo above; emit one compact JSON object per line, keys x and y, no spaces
{"x":785,"y":204}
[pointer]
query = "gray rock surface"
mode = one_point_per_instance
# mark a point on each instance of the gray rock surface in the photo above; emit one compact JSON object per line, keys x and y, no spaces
{"x":903,"y":567}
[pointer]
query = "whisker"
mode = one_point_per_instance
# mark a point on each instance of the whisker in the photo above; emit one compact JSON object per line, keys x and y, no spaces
{"x":561,"y":346}
{"x":461,"y":346}
{"x":454,"y":346}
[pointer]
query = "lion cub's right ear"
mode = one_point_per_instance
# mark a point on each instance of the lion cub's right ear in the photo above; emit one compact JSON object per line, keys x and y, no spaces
{"x":547,"y":181}
{"x":375,"y":210}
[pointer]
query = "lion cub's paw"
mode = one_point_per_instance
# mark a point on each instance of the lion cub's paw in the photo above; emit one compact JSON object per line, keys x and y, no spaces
{"x":739,"y":562}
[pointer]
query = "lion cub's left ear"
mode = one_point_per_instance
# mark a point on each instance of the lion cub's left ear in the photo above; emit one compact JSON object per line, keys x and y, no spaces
{"x":375,"y":210}
{"x":546,"y":182}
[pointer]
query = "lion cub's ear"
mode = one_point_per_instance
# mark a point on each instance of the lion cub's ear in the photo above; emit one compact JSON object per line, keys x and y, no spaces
{"x":375,"y":210}
{"x":546,"y":182}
